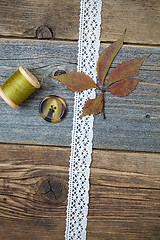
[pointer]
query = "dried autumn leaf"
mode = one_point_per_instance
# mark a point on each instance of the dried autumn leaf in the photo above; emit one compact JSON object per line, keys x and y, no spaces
{"x":124,"y":87}
{"x":125,"y":70}
{"x":76,"y":81}
{"x":106,"y":58}
{"x":93,"y":106}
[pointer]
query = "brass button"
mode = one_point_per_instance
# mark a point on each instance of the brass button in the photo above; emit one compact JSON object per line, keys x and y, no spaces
{"x":52,"y":108}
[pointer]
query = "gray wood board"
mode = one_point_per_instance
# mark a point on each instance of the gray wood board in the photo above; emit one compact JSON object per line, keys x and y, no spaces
{"x":126,"y":126}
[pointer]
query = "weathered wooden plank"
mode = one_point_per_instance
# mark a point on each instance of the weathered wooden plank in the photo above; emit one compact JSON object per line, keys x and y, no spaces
{"x":126,"y":126}
{"x":141,"y":18}
{"x":124,"y":194}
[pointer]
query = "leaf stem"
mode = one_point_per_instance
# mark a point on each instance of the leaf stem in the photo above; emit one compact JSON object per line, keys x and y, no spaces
{"x":103,"y":91}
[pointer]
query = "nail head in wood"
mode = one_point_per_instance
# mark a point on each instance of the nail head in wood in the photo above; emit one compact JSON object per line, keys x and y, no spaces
{"x":148,"y":116}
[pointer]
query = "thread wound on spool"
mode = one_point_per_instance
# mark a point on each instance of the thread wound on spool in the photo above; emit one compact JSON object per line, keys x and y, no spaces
{"x":19,"y":87}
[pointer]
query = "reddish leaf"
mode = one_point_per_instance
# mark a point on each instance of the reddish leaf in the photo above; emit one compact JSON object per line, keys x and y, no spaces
{"x":76,"y":81}
{"x":124,"y":87}
{"x":93,"y":106}
{"x":106,"y":58}
{"x":126,"y":70}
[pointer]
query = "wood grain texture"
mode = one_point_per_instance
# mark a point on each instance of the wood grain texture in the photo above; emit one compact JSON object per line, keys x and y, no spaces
{"x":124,"y":194}
{"x":133,"y":122}
{"x":22,"y":19}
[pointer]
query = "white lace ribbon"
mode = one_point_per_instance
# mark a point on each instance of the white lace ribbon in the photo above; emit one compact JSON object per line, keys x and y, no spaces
{"x":82,"y":134}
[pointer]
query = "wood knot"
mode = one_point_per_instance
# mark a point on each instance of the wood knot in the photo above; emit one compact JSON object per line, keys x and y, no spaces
{"x":59,"y":72}
{"x":43,"y":32}
{"x":53,"y":190}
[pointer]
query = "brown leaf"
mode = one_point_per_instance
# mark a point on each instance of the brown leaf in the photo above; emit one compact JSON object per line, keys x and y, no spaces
{"x":76,"y":81}
{"x":124,"y":87}
{"x":93,"y":106}
{"x":106,"y":58}
{"x":125,"y":70}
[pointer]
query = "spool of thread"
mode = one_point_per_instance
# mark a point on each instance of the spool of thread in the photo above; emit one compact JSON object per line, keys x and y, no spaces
{"x":19,"y":87}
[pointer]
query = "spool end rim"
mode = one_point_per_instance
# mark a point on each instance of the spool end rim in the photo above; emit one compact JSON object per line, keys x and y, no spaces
{"x":7,"y":99}
{"x":30,"y":77}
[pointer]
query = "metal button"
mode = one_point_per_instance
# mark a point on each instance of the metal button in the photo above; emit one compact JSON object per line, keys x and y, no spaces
{"x":52,"y":108}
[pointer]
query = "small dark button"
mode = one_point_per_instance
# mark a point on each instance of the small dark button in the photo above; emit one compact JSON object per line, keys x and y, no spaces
{"x":52,"y":108}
